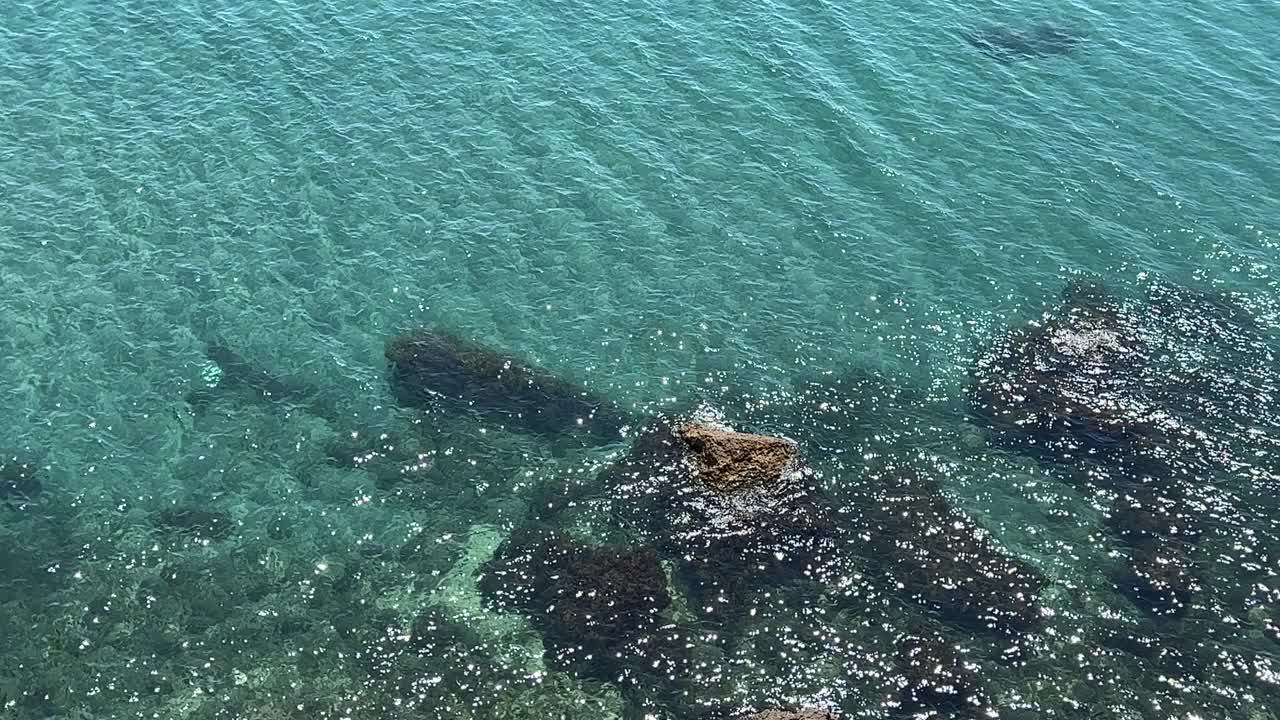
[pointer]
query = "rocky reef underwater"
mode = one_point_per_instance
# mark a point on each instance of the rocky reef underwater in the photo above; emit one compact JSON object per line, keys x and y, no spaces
{"x":1087,"y":529}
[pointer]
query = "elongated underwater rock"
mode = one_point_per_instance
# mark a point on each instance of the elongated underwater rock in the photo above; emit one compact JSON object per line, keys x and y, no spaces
{"x":428,"y":367}
{"x":236,"y":373}
{"x":1008,"y":44}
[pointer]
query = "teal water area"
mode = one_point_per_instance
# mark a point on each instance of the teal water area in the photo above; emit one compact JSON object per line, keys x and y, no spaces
{"x":812,"y":219}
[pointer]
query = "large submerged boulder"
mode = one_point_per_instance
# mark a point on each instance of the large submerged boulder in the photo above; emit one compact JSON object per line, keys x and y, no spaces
{"x":592,"y":605}
{"x":1072,"y":384}
{"x":1160,"y":533}
{"x":940,"y":558}
{"x":428,"y":367}
{"x":1146,"y":404}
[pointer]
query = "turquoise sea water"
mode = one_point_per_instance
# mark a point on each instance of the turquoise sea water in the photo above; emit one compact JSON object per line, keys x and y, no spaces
{"x":677,"y":205}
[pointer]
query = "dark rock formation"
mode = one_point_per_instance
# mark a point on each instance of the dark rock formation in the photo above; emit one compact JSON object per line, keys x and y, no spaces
{"x":1070,"y":386}
{"x":429,"y":367}
{"x":591,"y":604}
{"x":195,"y":522}
{"x":1159,"y":574}
{"x":19,"y":478}
{"x":1149,"y":403}
{"x":940,"y":558}
{"x":937,"y":679}
{"x":735,"y":511}
{"x":1010,"y":44}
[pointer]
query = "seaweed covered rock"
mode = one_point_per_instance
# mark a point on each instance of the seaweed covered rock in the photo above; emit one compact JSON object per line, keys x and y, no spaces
{"x":19,"y":478}
{"x":591,"y":604}
{"x":1070,"y":385}
{"x":937,"y":679}
{"x":941,"y":558}
{"x":195,"y":522}
{"x":431,"y":366}
{"x":1159,"y":574}
{"x":1150,"y":404}
{"x":736,"y":511}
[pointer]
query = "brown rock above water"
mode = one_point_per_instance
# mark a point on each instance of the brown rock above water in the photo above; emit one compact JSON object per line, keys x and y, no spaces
{"x":735,"y":512}
{"x":727,"y":461}
{"x":694,"y":483}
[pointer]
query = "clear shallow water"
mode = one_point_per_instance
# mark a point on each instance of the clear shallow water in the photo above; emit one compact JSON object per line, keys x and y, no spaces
{"x":670,"y":204}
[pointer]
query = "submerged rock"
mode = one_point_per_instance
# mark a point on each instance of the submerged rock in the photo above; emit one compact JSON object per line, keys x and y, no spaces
{"x":232,"y":372}
{"x":429,"y":367}
{"x":1150,"y":402}
{"x":590,"y":603}
{"x":1160,"y":577}
{"x":1072,"y":385}
{"x":937,"y":678}
{"x":199,"y":523}
{"x":19,"y":478}
{"x":1160,"y":532}
{"x":1008,"y":44}
{"x":940,"y":558}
